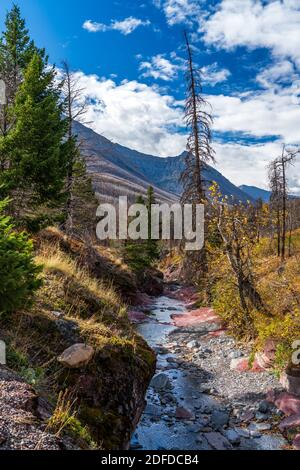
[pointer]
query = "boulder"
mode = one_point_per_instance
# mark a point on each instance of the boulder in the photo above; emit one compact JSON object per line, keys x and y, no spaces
{"x":219,"y":418}
{"x":217,"y":441}
{"x":291,"y":422}
{"x":76,"y":356}
{"x":233,"y":437}
{"x":288,"y":404}
{"x":182,"y":413}
{"x":160,"y":382}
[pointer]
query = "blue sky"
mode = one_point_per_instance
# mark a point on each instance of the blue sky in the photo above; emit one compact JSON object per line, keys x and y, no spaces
{"x":130,"y":58}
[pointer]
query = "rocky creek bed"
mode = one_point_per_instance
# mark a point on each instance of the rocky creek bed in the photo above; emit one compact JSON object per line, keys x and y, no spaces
{"x":199,"y":399}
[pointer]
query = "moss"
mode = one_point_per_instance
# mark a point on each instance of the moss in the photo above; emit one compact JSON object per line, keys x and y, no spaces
{"x":105,"y":425}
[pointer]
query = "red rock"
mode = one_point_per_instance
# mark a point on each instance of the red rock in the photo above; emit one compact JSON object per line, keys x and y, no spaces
{"x":290,"y":422}
{"x":182,"y":413}
{"x":196,"y":317}
{"x":242,"y":365}
{"x":265,"y":358}
{"x":296,"y":442}
{"x":217,"y":441}
{"x":288,"y":404}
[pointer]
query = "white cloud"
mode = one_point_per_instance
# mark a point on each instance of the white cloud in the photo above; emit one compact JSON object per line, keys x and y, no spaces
{"x":248,"y":164}
{"x":212,"y":74}
{"x":274,"y":24}
{"x":260,"y":114}
{"x":126,"y":26}
{"x":143,"y":118}
{"x":94,"y":27}
{"x":160,"y":68}
{"x":134,"y":115}
{"x":179,"y":11}
{"x":279,"y":73}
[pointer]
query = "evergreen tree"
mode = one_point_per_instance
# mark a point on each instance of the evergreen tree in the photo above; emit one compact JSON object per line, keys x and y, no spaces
{"x":18,"y":273}
{"x":141,"y":254}
{"x":16,"y":51}
{"x":152,"y":247}
{"x":37,"y":161}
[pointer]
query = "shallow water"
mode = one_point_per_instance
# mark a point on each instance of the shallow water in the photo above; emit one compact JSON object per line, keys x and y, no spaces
{"x":158,"y":428}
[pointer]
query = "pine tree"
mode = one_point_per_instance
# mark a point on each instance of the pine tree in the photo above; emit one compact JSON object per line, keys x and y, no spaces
{"x":18,"y":274}
{"x":16,"y":51}
{"x":152,"y":247}
{"x":37,"y":166}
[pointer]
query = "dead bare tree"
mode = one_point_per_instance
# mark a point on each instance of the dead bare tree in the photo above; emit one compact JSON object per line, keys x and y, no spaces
{"x":75,"y":110}
{"x":280,"y":197}
{"x":199,"y":120}
{"x":199,"y":150}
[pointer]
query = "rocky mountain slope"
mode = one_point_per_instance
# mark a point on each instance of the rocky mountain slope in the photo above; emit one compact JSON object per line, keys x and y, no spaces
{"x":256,"y":193}
{"x":117,"y":170}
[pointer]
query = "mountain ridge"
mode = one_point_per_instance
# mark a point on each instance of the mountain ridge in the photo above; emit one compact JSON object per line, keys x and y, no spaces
{"x":117,"y":170}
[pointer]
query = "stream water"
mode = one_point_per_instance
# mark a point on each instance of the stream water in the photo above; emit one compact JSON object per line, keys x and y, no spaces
{"x":159,"y":429}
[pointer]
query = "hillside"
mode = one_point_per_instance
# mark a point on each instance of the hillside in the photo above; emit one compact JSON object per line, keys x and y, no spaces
{"x":256,"y":193}
{"x":117,"y":170}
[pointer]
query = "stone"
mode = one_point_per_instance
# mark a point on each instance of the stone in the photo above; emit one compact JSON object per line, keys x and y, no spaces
{"x":255,"y":429}
{"x":77,"y":356}
{"x":266,"y":358}
{"x":183,"y":413}
{"x":160,"y":382}
{"x":217,"y":441}
{"x":233,"y":437}
{"x":261,"y":416}
{"x":243,"y":432}
{"x":296,"y":442}
{"x":239,"y":364}
{"x":153,"y":410}
{"x":264,"y":406}
{"x":247,"y":416}
{"x":192,"y":345}
{"x":290,"y":422}
{"x":236,"y":354}
{"x":219,"y":418}
{"x":288,"y":404}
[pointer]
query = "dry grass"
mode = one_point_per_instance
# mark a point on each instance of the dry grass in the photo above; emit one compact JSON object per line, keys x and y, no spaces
{"x":56,"y":262}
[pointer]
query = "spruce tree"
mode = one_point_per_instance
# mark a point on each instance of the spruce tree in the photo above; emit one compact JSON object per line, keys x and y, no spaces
{"x":36,"y":151}
{"x":16,"y":51}
{"x":152,"y":247}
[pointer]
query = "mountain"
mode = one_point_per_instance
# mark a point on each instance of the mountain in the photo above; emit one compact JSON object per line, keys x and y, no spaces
{"x":256,"y":193}
{"x":117,"y":170}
